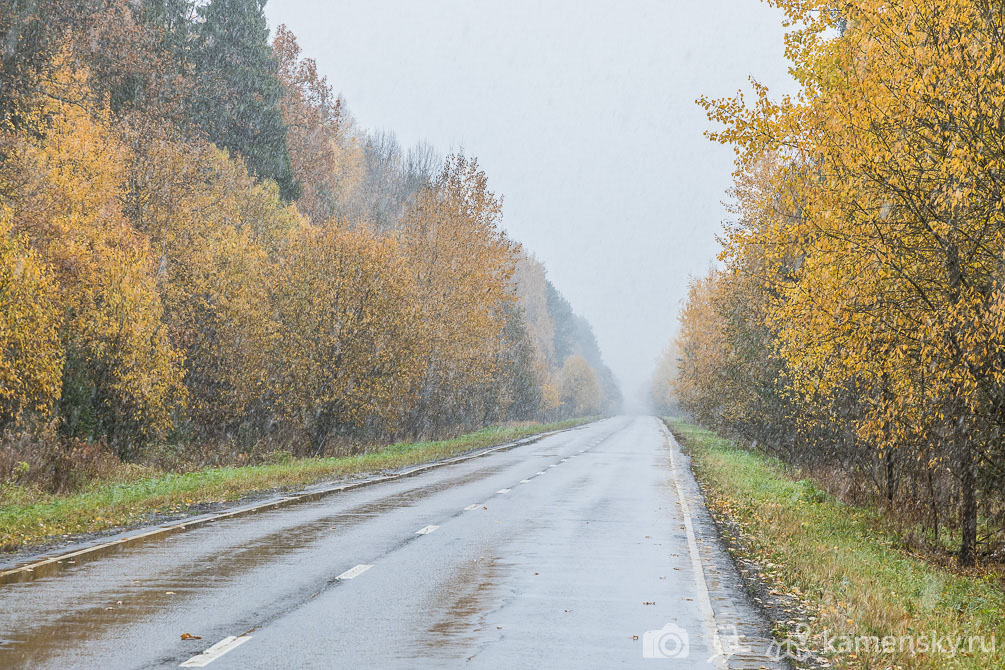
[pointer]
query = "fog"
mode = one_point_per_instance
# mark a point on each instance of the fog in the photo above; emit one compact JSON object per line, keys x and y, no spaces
{"x":583,"y":116}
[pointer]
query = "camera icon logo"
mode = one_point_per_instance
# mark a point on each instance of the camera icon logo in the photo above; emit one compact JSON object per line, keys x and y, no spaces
{"x":667,"y":642}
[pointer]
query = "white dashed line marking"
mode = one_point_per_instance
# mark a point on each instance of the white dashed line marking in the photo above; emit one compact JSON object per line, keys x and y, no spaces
{"x":525,"y":481}
{"x":541,"y":473}
{"x":504,"y":491}
{"x":352,"y":573}
{"x":426,"y":531}
{"x":470,"y":508}
{"x":553,"y":465}
{"x":215,"y":652}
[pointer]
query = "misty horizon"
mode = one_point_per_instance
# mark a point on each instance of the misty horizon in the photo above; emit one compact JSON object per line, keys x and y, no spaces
{"x":621,"y":219}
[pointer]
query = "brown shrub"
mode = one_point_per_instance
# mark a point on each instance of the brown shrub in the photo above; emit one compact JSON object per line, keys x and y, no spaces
{"x":52,"y":463}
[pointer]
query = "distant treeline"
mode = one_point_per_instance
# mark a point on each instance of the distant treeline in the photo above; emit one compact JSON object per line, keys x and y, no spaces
{"x":198,"y":246}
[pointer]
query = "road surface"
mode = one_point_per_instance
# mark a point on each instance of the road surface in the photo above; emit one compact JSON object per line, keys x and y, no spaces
{"x":587,"y":549}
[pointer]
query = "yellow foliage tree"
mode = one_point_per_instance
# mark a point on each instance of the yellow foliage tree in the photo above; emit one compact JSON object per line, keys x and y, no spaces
{"x":663,"y":395}
{"x":702,"y":345}
{"x":580,"y":389}
{"x":31,"y":353}
{"x":530,"y":278}
{"x":888,"y":265}
{"x":346,"y":352}
{"x":214,"y":233}
{"x":462,"y":264}
{"x":122,"y":378}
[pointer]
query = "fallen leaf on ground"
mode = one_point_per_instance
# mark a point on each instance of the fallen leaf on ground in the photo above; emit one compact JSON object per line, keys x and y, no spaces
{"x":189,"y":636}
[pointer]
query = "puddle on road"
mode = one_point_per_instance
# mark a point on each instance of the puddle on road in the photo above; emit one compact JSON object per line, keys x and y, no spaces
{"x":463,"y":612}
{"x":141,"y":599}
{"x":460,"y":613}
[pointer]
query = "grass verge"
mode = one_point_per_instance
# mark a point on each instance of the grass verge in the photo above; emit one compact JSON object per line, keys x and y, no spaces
{"x":855,"y":598}
{"x":29,"y":518}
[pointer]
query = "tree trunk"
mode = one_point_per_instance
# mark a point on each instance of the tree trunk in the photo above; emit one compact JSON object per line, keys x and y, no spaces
{"x":968,"y":503}
{"x":933,"y":500}
{"x":891,"y":483}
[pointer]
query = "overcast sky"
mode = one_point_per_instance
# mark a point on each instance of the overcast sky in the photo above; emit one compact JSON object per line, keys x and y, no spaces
{"x":582,"y":114}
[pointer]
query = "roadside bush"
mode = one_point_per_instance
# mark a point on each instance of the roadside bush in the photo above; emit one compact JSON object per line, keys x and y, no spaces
{"x":52,"y":463}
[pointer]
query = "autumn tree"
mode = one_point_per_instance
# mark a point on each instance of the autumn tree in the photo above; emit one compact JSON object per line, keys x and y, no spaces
{"x":890,"y":163}
{"x":515,"y":389}
{"x":580,"y":388}
{"x":346,"y":351}
{"x":128,"y":62}
{"x":663,"y":396}
{"x":326,"y":153}
{"x":31,"y":352}
{"x":214,"y":234}
{"x":121,"y":377}
{"x":462,"y":263}
{"x":32,"y":34}
{"x":531,"y":282}
{"x":532,"y":289}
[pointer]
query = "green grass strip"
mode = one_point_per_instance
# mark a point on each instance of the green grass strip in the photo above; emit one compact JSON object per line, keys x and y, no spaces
{"x":28,"y":517}
{"x":847,"y":569}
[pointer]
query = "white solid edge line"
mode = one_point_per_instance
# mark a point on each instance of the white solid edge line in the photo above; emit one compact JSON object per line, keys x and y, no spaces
{"x":354,"y":571}
{"x":704,"y":601}
{"x":228,"y":643}
{"x":504,"y":491}
{"x":472,"y":507}
{"x":426,"y":530}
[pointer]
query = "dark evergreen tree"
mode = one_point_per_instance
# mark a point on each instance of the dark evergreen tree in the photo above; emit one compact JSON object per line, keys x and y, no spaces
{"x":516,"y":369}
{"x":238,"y":90}
{"x":565,"y":325}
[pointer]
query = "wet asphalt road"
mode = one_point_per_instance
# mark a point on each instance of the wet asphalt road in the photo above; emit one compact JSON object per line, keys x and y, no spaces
{"x":558,"y":554}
